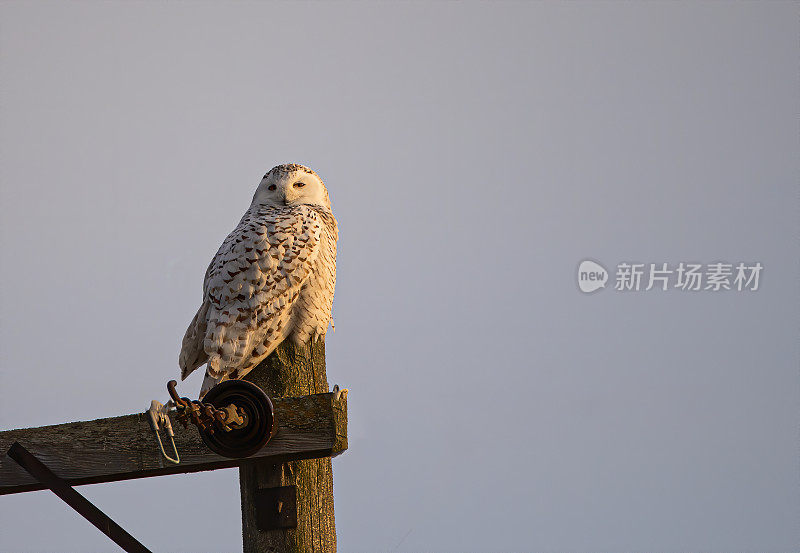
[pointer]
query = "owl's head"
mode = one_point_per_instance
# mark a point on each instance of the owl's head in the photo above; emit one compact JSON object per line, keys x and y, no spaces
{"x":291,"y":184}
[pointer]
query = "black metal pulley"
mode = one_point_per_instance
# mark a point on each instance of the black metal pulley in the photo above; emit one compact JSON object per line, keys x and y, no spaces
{"x":253,"y":406}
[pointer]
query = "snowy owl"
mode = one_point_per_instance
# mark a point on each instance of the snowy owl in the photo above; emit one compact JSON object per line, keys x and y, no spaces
{"x":272,"y":279}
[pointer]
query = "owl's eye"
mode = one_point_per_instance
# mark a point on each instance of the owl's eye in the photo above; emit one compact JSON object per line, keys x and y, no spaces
{"x":272,"y":187}
{"x":299,"y":184}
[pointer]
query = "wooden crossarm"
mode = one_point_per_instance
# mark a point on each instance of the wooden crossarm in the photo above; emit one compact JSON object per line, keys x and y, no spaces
{"x":122,"y":448}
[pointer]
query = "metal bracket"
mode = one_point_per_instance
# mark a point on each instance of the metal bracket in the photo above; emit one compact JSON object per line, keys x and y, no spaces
{"x":159,"y":418}
{"x":276,"y":508}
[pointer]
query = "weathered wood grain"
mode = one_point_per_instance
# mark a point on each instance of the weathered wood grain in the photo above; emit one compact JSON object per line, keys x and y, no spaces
{"x":294,"y":370}
{"x":121,"y":448}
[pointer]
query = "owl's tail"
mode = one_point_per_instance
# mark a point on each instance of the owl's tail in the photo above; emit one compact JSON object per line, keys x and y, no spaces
{"x":208,"y":383}
{"x":192,"y":353}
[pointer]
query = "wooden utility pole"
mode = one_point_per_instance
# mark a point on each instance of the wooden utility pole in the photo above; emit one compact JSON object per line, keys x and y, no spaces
{"x":292,"y":371}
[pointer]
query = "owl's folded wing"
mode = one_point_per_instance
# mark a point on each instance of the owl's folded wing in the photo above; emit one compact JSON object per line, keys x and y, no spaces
{"x":250,"y":286}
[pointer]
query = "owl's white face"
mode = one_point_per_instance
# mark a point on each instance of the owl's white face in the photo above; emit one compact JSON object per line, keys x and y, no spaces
{"x":288,"y":188}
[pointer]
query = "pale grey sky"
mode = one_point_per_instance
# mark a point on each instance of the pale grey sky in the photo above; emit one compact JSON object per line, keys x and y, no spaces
{"x":475,"y":153}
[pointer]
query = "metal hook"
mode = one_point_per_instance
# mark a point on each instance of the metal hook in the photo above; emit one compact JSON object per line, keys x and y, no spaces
{"x":158,"y":417}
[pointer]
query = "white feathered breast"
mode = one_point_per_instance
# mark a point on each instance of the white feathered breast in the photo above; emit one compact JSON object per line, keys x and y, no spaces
{"x":272,"y":278}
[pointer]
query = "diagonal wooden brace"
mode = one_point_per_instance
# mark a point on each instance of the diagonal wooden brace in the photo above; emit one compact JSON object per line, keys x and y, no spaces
{"x":83,"y":506}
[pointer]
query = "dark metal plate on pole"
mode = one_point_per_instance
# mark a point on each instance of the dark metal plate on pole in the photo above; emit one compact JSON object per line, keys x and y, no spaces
{"x":276,"y":508}
{"x":259,"y":415}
